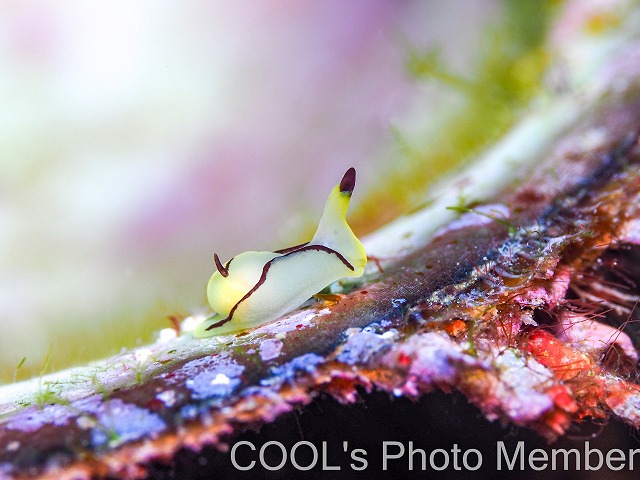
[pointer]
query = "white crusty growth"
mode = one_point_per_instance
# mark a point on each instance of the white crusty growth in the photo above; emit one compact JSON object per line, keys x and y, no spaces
{"x":254,"y":288}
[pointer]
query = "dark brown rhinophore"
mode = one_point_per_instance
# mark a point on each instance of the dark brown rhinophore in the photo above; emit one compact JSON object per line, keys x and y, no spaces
{"x":348,"y":182}
{"x":224,"y":271}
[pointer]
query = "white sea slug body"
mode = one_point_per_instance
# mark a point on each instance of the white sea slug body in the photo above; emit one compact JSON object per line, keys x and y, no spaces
{"x":254,"y":288}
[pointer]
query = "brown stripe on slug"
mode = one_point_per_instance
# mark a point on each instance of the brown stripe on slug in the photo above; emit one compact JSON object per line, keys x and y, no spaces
{"x":348,"y":182}
{"x":224,"y":271}
{"x":322,"y":248}
{"x":263,"y":278}
{"x":291,"y":249}
{"x":218,"y":324}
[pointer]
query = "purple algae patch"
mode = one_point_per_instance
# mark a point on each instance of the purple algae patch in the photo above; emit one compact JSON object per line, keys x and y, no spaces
{"x":270,"y":349}
{"x":33,"y":418}
{"x":219,"y":379}
{"x":362,"y":346}
{"x":305,"y":363}
{"x":120,"y":422}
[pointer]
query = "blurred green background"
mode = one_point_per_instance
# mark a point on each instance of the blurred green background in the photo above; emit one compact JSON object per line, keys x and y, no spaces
{"x":140,"y":137}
